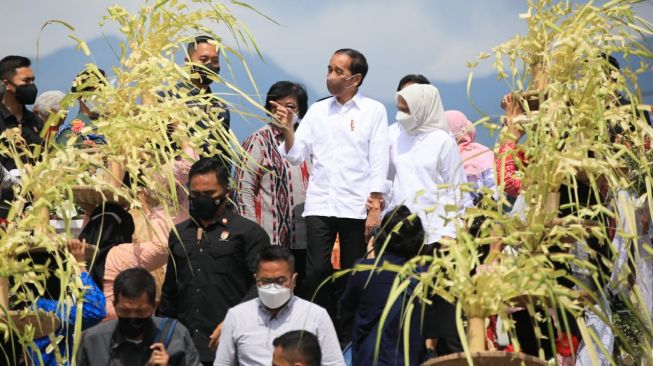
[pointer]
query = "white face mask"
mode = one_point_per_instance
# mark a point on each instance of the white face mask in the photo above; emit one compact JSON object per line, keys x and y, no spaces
{"x":406,"y":121}
{"x":91,"y":104}
{"x":295,"y":118}
{"x":273,"y":297}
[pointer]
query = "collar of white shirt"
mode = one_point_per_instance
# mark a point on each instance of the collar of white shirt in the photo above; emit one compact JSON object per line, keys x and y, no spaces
{"x":265,"y":315}
{"x":355,"y":102}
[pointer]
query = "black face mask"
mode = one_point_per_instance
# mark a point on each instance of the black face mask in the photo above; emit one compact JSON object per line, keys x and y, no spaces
{"x":132,"y":327}
{"x":26,"y":94}
{"x":204,"y":207}
{"x":205,"y":73}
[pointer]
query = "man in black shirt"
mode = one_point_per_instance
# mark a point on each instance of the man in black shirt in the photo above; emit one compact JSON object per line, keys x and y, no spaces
{"x":203,"y":56}
{"x":18,"y":80}
{"x":212,"y":259}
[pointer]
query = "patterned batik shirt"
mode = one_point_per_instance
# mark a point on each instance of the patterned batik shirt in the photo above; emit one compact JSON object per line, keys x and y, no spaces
{"x":271,"y":191}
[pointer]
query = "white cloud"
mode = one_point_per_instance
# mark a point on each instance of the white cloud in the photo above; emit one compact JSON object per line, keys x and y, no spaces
{"x":398,"y":37}
{"x":22,"y":21}
{"x":435,"y":38}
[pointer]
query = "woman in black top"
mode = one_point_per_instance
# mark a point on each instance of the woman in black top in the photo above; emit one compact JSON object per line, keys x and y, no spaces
{"x":404,"y":235}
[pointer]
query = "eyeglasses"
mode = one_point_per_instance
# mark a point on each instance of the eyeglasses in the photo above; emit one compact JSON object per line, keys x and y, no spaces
{"x":292,"y":106}
{"x":267,"y":283}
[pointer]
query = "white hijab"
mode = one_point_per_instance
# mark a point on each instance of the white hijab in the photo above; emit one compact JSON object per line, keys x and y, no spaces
{"x":425,"y":107}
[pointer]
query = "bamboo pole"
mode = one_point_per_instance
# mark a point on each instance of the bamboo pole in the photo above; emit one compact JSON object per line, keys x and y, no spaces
{"x":476,"y":334}
{"x":551,"y":204}
{"x":4,"y":295}
{"x":117,"y":172}
{"x":539,"y":81}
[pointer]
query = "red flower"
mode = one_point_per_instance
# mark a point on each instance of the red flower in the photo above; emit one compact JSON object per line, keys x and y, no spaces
{"x":510,"y":348}
{"x":564,"y":348}
{"x":77,"y":125}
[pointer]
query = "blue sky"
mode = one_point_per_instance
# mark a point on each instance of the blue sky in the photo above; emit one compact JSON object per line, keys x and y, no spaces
{"x":436,"y":37}
{"x":432,"y":37}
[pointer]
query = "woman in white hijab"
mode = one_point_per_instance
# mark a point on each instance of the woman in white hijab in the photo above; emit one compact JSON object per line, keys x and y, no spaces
{"x":423,"y":157}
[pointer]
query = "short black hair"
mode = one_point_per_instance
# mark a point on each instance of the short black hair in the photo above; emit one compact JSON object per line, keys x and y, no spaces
{"x":611,"y":60}
{"x":52,"y":287}
{"x":90,"y":76}
{"x":412,"y":78}
{"x":404,"y":230}
{"x":133,"y":283}
{"x":613,"y":65}
{"x":210,"y":165}
{"x":9,"y":64}
{"x":358,"y":62}
{"x":283,"y":89}
{"x":275,"y":253}
{"x":199,"y":39}
{"x":300,"y":346}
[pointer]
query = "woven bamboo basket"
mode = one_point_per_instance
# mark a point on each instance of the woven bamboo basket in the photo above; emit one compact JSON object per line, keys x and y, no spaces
{"x":488,"y":358}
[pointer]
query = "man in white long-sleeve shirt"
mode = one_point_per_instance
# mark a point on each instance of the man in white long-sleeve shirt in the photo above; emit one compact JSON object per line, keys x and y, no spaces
{"x":346,"y":138}
{"x":250,"y":328}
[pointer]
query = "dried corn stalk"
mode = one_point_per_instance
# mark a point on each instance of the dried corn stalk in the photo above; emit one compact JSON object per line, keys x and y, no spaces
{"x":137,"y":114}
{"x":561,"y":63}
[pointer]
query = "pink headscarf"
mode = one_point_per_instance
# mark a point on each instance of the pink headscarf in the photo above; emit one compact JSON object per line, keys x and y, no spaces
{"x":476,"y":157}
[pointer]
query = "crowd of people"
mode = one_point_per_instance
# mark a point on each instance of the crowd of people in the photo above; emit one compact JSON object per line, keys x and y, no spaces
{"x":240,"y":274}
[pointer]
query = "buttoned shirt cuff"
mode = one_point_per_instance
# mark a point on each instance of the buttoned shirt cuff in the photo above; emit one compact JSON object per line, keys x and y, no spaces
{"x":293,"y":156}
{"x":379,"y":185}
{"x":282,"y":149}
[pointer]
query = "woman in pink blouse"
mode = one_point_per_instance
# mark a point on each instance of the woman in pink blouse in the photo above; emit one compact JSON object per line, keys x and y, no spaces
{"x":149,"y":248}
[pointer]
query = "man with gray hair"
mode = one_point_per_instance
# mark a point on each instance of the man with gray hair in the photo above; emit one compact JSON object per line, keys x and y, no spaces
{"x":47,"y":104}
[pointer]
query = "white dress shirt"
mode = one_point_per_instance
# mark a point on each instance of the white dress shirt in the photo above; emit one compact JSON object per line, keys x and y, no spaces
{"x":420,"y":166}
{"x":348,"y":147}
{"x":249,"y":330}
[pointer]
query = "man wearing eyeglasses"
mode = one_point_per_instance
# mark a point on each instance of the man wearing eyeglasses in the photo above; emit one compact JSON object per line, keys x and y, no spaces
{"x":251,"y":327}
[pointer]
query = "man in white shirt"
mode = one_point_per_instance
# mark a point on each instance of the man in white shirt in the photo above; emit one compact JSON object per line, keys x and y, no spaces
{"x":346,"y":138}
{"x":250,"y":328}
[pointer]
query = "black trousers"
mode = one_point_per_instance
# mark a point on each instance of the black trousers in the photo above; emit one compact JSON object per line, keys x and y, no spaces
{"x":300,"y":269}
{"x":443,"y":326}
{"x":322,"y":231}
